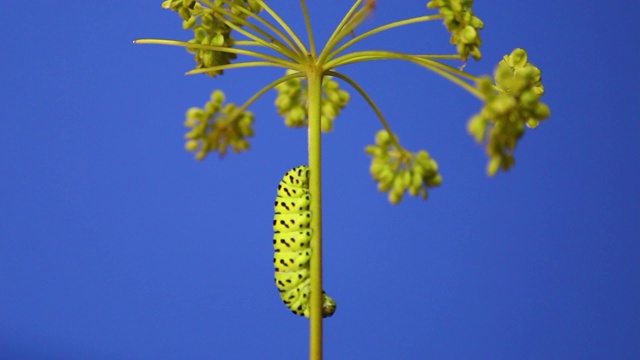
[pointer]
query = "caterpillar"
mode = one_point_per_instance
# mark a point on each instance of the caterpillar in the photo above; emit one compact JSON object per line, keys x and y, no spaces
{"x":291,"y":238}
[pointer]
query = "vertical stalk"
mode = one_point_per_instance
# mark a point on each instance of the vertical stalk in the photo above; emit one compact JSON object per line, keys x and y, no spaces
{"x":315,"y":98}
{"x":307,"y":20}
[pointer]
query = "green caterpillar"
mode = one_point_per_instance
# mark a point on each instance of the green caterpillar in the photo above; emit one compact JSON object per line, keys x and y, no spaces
{"x":291,"y":239}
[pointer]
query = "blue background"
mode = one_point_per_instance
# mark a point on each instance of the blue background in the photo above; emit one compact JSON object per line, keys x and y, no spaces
{"x":116,"y":244}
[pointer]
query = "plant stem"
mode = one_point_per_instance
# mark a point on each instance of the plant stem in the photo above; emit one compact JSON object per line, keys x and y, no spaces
{"x":380,"y":29}
{"x":373,"y":106}
{"x":285,"y":26}
{"x":307,"y":21}
{"x":187,"y":45}
{"x":333,"y":39}
{"x":235,"y":66}
{"x":314,"y":77}
{"x":262,"y":91}
{"x":446,"y":71}
{"x":271,"y":27}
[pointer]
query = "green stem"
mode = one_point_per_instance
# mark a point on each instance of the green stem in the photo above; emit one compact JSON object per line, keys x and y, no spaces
{"x":267,"y":88}
{"x":446,"y":71}
{"x":381,"y":29}
{"x":372,"y":104}
{"x":314,"y":77}
{"x":448,"y":68}
{"x":284,"y":25}
{"x":346,"y":28}
{"x":276,"y":60}
{"x":270,"y":26}
{"x":307,"y":21}
{"x":333,"y":39}
{"x":239,"y":65}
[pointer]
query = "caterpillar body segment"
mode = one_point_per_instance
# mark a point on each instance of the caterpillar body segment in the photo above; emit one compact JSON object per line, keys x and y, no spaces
{"x":291,"y":242}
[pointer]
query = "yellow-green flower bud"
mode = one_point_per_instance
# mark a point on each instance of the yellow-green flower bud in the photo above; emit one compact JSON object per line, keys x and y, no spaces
{"x":184,"y":13}
{"x":166,"y":4}
{"x":493,"y":166}
{"x":468,"y":35}
{"x":502,"y":104}
{"x":191,"y":145}
{"x":217,"y":40}
{"x":434,"y":181}
{"x":188,"y":24}
{"x":329,"y":110}
{"x":374,"y":151}
{"x":395,"y":197}
{"x":283,"y":103}
{"x":201,"y":155}
{"x":528,"y":99}
{"x":433,"y":166}
{"x":476,"y":22}
{"x":195,"y":114}
{"x":376,"y":168}
{"x":423,"y":157}
{"x":240,"y":145}
{"x":382,"y":138}
{"x":208,"y":58}
{"x":207,"y":20}
{"x":476,"y":53}
{"x":194,"y":134}
{"x":384,"y":186}
{"x":326,"y":124}
{"x":297,"y":114}
{"x":532,"y":123}
{"x":398,"y":183}
{"x":477,"y":127}
{"x":416,"y":183}
{"x":517,"y":58}
{"x":542,"y":111}
{"x":406,"y":178}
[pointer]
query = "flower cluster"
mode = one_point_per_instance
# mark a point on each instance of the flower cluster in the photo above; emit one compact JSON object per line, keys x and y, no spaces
{"x":516,"y":103}
{"x":210,"y":27}
{"x":462,"y":24}
{"x":292,"y":102}
{"x":216,"y":127}
{"x":397,"y":170}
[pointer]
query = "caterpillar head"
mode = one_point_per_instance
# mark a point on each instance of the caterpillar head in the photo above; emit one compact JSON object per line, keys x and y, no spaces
{"x":328,"y":306}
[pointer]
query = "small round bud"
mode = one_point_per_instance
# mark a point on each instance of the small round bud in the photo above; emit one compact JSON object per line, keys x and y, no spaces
{"x":395,"y":197}
{"x":385,"y":186}
{"x":416,"y":183}
{"x":502,"y":104}
{"x":382,"y":137}
{"x":297,"y":114}
{"x":468,"y":35}
{"x":542,"y":111}
{"x":434,"y":181}
{"x":326,"y":124}
{"x":208,"y":58}
{"x":406,"y":178}
{"x":188,"y":24}
{"x":191,"y":145}
{"x":493,"y":166}
{"x":517,"y":58}
{"x":217,"y":40}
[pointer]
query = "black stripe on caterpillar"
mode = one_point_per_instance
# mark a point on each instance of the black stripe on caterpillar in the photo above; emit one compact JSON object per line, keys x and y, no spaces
{"x":291,"y":238}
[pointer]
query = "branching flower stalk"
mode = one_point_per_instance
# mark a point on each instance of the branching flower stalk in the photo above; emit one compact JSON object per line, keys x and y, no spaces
{"x":310,"y":97}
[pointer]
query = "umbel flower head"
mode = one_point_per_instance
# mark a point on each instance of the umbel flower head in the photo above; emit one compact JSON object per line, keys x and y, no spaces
{"x":216,"y":127}
{"x":292,"y":102}
{"x":397,"y":170}
{"x":512,"y":103}
{"x":209,"y":25}
{"x":462,"y":24}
